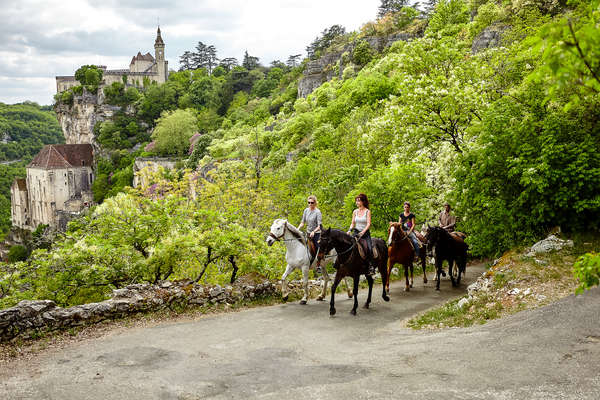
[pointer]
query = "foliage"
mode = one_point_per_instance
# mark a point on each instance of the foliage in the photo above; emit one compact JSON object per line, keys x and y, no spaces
{"x":25,"y":128}
{"x":362,"y":53}
{"x":571,"y":53}
{"x":449,"y":18}
{"x":89,"y":76}
{"x":587,"y":271}
{"x":390,"y":6}
{"x":321,"y":43}
{"x":173,"y":132}
{"x":17,"y":253}
{"x":120,"y":95}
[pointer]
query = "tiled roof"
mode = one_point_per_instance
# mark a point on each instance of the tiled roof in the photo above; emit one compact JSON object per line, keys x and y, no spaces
{"x":21,"y":183}
{"x":55,"y":156}
{"x":141,"y":57}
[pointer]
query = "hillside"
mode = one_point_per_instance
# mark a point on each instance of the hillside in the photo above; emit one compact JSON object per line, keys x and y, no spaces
{"x":24,"y":129}
{"x":505,"y":129}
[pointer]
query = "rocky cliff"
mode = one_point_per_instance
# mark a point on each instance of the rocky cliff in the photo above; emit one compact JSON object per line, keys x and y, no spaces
{"x":77,"y":120}
{"x":332,"y":64}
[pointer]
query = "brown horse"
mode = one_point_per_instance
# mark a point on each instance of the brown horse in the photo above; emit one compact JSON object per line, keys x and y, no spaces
{"x":350,"y":263}
{"x":400,"y":251}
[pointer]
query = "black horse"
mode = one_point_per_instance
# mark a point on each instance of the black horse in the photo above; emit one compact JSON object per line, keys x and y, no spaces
{"x":349,"y":263}
{"x":447,"y":247}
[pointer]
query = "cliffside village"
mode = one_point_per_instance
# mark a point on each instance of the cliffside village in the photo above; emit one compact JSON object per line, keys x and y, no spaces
{"x":58,"y":185}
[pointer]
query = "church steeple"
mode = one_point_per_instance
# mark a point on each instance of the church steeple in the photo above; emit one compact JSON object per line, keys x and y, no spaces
{"x":158,"y":41}
{"x":159,"y":54}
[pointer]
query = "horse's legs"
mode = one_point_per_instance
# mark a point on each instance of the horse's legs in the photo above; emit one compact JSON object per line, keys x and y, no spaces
{"x":305,"y":271}
{"x":356,"y":279}
{"x":451,"y":270}
{"x":390,"y":264}
{"x":424,"y":264}
{"x":325,"y":283}
{"x":412,"y":274}
{"x":382,"y":269}
{"x":370,"y":281}
{"x":348,"y":287}
{"x":438,"y":272}
{"x":284,"y":285}
{"x":406,"y":269}
{"x":336,"y":282}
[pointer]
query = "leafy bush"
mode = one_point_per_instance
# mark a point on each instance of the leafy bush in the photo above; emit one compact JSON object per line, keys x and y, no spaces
{"x":17,"y":253}
{"x":587,"y":270}
{"x":173,"y":132}
{"x":362,"y":53}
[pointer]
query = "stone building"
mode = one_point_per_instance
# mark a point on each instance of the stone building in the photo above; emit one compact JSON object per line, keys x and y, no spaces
{"x":142,"y":66}
{"x":58,"y":187}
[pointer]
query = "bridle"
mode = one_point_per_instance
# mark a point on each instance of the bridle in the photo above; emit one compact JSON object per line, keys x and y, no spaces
{"x":278,"y":238}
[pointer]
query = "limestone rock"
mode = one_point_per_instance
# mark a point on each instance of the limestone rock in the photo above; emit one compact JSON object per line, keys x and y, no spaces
{"x":551,"y":243}
{"x":488,"y":38}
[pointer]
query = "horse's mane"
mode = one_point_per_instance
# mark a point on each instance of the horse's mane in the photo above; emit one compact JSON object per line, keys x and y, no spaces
{"x":295,"y":232}
{"x":340,"y":234}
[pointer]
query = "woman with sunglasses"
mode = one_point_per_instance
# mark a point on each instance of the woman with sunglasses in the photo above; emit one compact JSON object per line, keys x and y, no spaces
{"x":313,"y":219}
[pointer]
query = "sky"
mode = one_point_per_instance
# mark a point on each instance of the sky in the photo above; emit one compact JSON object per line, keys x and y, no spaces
{"x":40,"y":39}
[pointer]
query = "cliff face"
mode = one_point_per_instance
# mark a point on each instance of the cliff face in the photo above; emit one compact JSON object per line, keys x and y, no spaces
{"x":332,"y":64}
{"x":78,"y":120}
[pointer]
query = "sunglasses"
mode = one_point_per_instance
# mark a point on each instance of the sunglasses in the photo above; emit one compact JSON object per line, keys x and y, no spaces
{"x":311,"y":202}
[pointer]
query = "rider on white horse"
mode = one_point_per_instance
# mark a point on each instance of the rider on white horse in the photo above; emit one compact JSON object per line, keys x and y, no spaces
{"x":313,"y":219}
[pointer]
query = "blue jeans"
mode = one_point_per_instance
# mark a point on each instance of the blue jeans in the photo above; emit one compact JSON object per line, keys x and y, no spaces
{"x":413,"y":239}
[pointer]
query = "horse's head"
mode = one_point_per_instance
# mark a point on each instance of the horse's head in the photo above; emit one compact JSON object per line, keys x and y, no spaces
{"x":325,"y":244}
{"x":395,"y":233}
{"x":277,"y":231}
{"x":433,"y":235}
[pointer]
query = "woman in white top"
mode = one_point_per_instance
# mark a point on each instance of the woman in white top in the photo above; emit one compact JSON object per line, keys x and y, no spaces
{"x":361,"y":223}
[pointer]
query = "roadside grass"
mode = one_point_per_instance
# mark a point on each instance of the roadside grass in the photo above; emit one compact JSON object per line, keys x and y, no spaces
{"x":515,"y":282}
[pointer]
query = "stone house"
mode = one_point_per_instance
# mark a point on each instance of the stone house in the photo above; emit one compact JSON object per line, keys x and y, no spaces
{"x":142,"y":66}
{"x":58,"y":187}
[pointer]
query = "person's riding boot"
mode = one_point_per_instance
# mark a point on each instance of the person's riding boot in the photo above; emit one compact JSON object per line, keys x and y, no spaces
{"x":372,"y":268}
{"x":318,"y":269}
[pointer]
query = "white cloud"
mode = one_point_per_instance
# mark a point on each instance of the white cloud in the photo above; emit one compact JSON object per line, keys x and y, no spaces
{"x":42,"y":39}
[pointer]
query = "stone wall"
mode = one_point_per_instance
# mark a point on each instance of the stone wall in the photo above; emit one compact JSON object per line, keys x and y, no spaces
{"x":30,"y":317}
{"x":153,"y":163}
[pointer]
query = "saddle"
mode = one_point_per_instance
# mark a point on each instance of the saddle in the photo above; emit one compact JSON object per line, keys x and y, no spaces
{"x":363,"y":249}
{"x":459,"y":235}
{"x":312,"y":250}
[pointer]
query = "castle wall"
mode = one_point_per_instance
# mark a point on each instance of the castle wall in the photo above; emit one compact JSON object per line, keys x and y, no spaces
{"x":52,"y":190}
{"x":19,"y":202}
{"x":140,"y":66}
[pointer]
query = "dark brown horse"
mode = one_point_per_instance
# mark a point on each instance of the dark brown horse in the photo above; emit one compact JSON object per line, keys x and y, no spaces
{"x":350,"y":263}
{"x":400,"y":251}
{"x":449,"y":247}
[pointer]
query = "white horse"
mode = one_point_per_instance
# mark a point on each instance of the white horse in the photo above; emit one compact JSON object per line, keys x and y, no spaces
{"x":297,"y":256}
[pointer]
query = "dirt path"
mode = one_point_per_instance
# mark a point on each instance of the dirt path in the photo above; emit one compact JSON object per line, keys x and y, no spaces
{"x":299,"y":352}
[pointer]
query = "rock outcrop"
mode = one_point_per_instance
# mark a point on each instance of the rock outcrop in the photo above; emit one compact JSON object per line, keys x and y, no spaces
{"x":78,"y":119}
{"x":332,"y":64}
{"x":551,"y":243}
{"x":488,"y":38}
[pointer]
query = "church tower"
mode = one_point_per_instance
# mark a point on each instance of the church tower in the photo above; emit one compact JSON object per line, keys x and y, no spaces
{"x":159,"y":55}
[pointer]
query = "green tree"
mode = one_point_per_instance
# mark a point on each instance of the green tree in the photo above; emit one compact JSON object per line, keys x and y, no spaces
{"x":173,"y":132}
{"x":390,"y":6}
{"x":89,"y":76}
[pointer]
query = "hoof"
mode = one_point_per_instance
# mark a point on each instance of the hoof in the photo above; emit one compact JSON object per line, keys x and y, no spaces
{"x":437,"y":288}
{"x":353,"y":312}
{"x":320,"y":298}
{"x":411,"y":285}
{"x":424,"y":280}
{"x":366,"y":305}
{"x":285,"y":298}
{"x":386,"y":298}
{"x":407,"y":289}
{"x":332,"y":311}
{"x":303,"y":302}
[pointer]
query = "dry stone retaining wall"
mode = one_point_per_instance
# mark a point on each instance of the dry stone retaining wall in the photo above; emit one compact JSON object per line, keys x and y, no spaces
{"x":30,"y":316}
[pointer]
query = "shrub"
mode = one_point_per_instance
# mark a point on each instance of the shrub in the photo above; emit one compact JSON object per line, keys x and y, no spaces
{"x":587,"y":270}
{"x":17,"y":253}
